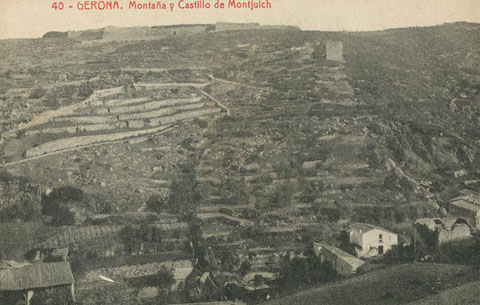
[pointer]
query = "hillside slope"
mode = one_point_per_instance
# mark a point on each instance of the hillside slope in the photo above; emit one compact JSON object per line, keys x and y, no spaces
{"x":396,"y":285}
{"x":468,"y":294}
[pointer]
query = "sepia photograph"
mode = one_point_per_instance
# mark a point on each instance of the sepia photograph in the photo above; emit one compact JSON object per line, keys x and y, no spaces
{"x":240,"y":152}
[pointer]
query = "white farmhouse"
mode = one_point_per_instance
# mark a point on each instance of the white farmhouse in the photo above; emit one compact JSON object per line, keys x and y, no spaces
{"x":370,"y":240}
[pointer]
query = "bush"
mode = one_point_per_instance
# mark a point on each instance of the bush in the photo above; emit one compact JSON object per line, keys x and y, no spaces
{"x":60,"y":195}
{"x":163,"y":279}
{"x":184,"y":194}
{"x":132,"y":238}
{"x":157,"y":203}
{"x":128,"y":238}
{"x":37,"y":93}
{"x":62,"y":217}
{"x":459,"y":252}
{"x":301,"y":271}
{"x":399,"y":255}
{"x":24,"y":211}
{"x":85,"y":90}
{"x":5,"y":176}
{"x":281,"y":196}
{"x":55,"y":204}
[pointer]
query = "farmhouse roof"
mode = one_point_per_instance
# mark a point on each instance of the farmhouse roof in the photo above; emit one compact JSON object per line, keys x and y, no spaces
{"x":366,"y":227}
{"x":36,"y":276}
{"x":464,"y":204}
{"x":347,"y":257}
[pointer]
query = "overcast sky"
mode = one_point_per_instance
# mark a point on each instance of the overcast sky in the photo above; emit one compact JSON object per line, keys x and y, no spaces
{"x":32,"y":18}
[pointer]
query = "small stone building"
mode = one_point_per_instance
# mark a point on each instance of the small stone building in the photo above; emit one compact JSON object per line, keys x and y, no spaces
{"x":343,"y":262}
{"x":429,"y":233}
{"x":370,"y":240}
{"x":334,"y":50}
{"x":29,"y":278}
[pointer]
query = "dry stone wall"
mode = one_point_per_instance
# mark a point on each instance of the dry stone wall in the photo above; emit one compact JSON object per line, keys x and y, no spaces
{"x":75,"y":142}
{"x":79,"y":234}
{"x":104,"y":118}
{"x":148,"y":106}
{"x":160,"y":112}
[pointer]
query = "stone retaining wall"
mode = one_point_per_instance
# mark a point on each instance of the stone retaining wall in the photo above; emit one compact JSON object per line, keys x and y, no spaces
{"x":79,"y":128}
{"x":79,"y":234}
{"x":147,"y":106}
{"x":161,"y":112}
{"x":124,"y":102}
{"x":182,"y":268}
{"x":75,"y":142}
{"x":188,"y":115}
{"x":134,"y":120}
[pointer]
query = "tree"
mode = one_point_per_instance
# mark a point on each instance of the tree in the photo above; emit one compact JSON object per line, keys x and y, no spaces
{"x":25,"y":210}
{"x":127,"y":236}
{"x":300,"y":271}
{"x":157,"y":203}
{"x":245,"y":268}
{"x":163,"y":279}
{"x":85,"y":90}
{"x":59,"y":196}
{"x":56,"y":204}
{"x":63,"y":217}
{"x":281,"y":196}
{"x":184,"y":194}
{"x":37,"y":93}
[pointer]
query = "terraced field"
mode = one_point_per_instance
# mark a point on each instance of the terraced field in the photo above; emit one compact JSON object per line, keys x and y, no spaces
{"x":104,"y":118}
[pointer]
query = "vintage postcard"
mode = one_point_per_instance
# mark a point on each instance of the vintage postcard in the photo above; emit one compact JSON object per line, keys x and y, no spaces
{"x":225,"y":152}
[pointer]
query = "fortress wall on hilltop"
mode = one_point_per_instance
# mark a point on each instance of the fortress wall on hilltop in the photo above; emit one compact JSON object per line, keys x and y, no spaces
{"x":228,"y":26}
{"x":135,"y":33}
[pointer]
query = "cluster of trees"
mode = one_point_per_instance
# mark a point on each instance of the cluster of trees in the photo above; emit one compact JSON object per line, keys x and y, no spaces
{"x":298,"y":272}
{"x":26,"y":210}
{"x":163,"y":279}
{"x":21,"y":198}
{"x":459,"y":252}
{"x":281,"y":196}
{"x":132,"y":238}
{"x":37,"y":93}
{"x":332,"y":212}
{"x":56,"y":204}
{"x":85,"y":90}
{"x":184,"y":194}
{"x":399,"y":184}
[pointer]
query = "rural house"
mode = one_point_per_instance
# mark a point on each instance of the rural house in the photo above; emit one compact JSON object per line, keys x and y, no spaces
{"x":343,"y":262}
{"x":429,"y":233}
{"x":468,"y":207}
{"x":370,"y":240}
{"x":26,"y":279}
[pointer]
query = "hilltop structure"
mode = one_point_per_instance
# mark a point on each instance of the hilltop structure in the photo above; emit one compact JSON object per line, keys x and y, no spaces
{"x":334,"y":50}
{"x":113,"y":33}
